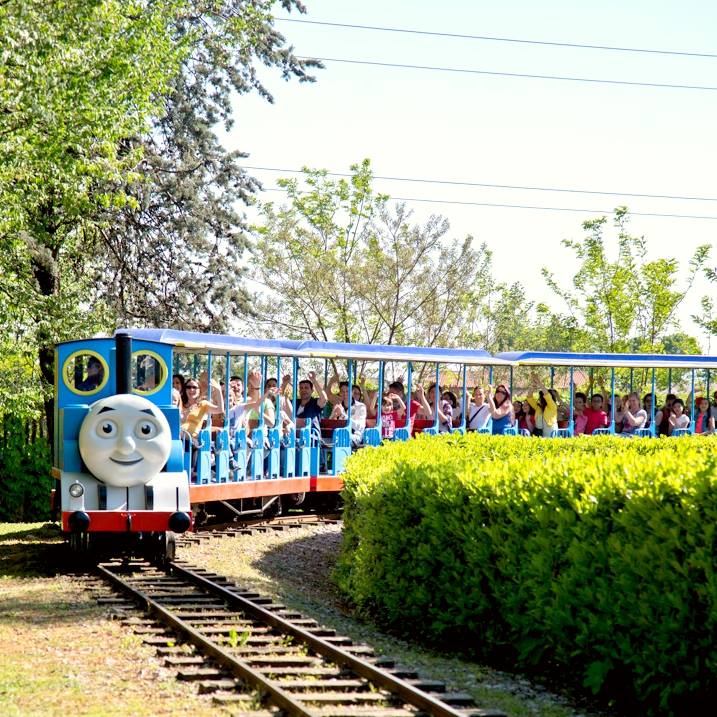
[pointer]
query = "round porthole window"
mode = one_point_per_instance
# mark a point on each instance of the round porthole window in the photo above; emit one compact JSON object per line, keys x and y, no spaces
{"x":85,"y":373}
{"x":149,"y":372}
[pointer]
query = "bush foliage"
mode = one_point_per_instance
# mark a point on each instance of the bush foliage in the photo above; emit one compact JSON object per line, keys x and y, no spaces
{"x":590,"y":557}
{"x":25,"y":480}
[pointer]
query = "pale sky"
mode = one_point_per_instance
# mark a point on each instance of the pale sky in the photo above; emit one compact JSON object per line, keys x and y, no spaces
{"x":508,"y":130}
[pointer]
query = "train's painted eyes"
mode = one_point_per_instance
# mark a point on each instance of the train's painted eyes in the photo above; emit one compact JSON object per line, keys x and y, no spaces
{"x":146,"y":429}
{"x":106,"y":429}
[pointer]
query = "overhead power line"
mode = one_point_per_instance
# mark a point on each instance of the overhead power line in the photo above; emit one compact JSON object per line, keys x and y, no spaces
{"x":493,"y":38}
{"x":468,"y":71}
{"x":487,"y":185}
{"x":529,"y":206}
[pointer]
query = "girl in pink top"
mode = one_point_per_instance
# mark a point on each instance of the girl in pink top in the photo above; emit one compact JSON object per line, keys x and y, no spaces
{"x":392,"y":409}
{"x":580,"y":418}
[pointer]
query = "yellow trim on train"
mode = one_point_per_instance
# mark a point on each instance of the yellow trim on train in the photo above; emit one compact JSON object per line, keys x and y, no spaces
{"x":164,"y":371}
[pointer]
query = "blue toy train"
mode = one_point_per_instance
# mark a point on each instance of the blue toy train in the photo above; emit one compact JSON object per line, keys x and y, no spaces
{"x":130,"y":475}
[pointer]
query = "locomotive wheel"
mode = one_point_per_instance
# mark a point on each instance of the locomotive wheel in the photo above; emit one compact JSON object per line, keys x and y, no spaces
{"x":159,"y":547}
{"x":83,"y":550}
{"x":80,"y":544}
{"x":170,"y":546}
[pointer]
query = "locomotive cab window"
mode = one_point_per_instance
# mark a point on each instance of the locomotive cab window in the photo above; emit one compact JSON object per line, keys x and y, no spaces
{"x":85,"y":373}
{"x":149,"y":372}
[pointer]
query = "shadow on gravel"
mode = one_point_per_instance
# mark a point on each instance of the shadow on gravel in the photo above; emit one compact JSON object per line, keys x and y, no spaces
{"x":305,"y":565}
{"x":31,"y":553}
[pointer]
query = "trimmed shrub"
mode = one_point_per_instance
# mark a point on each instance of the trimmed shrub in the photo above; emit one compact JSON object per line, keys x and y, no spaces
{"x":594,"y":557}
{"x":25,"y":479}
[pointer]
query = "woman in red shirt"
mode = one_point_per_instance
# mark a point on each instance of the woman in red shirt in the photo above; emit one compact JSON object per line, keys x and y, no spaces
{"x":704,"y":423}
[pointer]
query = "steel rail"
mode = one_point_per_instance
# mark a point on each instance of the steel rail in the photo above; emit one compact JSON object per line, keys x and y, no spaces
{"x":384,"y":679}
{"x":310,"y":519}
{"x":239,"y":668}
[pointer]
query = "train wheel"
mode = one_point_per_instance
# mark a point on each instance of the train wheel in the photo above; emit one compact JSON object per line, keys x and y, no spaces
{"x":170,"y":546}
{"x":200,"y":514}
{"x":159,"y":547}
{"x":83,"y":552}
{"x":80,"y":544}
{"x":293,"y":500}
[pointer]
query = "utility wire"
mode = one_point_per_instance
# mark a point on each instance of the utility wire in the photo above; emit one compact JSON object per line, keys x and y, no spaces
{"x":498,"y":186}
{"x":529,"y":206}
{"x":492,"y":38}
{"x":492,"y":73}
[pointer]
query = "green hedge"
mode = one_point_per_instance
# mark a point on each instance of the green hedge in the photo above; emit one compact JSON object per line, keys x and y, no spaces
{"x":25,"y":480}
{"x":593,"y":557}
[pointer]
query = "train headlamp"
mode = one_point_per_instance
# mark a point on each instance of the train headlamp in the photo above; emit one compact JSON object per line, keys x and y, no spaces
{"x":77,"y":490}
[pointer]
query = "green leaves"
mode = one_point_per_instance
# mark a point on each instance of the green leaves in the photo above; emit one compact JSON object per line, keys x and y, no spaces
{"x":82,"y":77}
{"x":620,"y":297}
{"x":706,"y":320}
{"x":339,"y":264}
{"x":593,"y":556}
{"x":117,"y":202}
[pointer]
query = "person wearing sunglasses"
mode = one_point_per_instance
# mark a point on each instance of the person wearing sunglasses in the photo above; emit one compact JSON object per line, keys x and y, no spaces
{"x":196,"y":402}
{"x":194,"y":410}
{"x":191,"y":392}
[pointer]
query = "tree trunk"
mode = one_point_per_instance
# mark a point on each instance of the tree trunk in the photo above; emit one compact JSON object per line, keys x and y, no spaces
{"x":47,"y":368}
{"x":48,"y":281}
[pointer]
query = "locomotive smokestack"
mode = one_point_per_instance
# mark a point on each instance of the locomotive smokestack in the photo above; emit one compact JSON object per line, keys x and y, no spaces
{"x":123,"y":355}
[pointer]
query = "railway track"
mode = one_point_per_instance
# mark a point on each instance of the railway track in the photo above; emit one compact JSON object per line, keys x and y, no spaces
{"x":246,"y":527}
{"x":262,"y":658}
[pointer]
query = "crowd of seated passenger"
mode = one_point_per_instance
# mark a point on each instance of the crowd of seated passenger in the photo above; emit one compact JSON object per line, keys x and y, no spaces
{"x":541,"y":412}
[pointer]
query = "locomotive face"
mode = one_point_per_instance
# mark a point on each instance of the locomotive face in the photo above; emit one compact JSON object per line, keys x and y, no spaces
{"x":125,"y":440}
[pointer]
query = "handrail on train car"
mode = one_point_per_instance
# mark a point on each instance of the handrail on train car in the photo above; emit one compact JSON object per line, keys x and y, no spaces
{"x":189,"y":341}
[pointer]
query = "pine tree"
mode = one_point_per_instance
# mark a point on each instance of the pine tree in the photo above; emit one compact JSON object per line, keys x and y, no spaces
{"x":176,"y":259}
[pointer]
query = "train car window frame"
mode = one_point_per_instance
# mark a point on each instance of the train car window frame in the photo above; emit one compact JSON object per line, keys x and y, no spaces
{"x":162,"y":367}
{"x":71,"y":386}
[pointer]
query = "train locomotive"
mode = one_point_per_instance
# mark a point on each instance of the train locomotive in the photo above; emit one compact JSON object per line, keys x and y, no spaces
{"x":118,"y":459}
{"x":129,"y":477}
